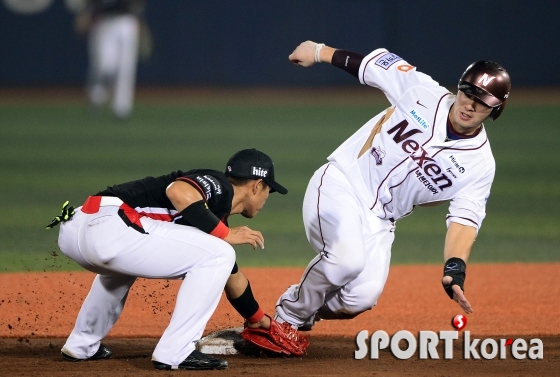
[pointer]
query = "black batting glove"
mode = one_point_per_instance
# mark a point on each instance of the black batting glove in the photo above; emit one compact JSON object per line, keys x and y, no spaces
{"x":455,"y":268}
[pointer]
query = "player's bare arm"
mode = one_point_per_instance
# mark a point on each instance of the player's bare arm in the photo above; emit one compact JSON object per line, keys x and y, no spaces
{"x":182,"y":195}
{"x":458,"y":244}
{"x":458,"y":241}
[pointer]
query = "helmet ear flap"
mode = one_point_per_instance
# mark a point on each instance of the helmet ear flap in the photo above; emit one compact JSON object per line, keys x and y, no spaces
{"x":496,"y":111}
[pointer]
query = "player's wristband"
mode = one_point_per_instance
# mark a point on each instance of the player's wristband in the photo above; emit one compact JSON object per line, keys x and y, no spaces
{"x":256,"y":317}
{"x":198,"y":215}
{"x":247,"y":306}
{"x":456,"y":268}
{"x":348,"y":61}
{"x":318,"y":48}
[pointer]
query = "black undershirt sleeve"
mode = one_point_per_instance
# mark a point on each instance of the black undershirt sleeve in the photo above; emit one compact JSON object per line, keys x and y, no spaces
{"x":348,"y":61}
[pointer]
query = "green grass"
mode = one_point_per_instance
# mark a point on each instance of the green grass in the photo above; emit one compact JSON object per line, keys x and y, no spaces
{"x":51,"y":153}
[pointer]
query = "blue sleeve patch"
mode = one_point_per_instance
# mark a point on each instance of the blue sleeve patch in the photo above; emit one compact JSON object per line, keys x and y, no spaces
{"x":386,"y":60}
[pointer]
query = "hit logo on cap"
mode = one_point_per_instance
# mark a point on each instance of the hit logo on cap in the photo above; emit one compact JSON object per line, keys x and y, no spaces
{"x":253,"y":164}
{"x":259,"y":171}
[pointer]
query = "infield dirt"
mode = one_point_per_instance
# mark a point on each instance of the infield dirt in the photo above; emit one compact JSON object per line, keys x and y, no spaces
{"x":37,"y":311}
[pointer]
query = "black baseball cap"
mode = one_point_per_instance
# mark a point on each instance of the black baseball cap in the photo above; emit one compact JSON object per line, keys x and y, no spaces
{"x":253,"y":164}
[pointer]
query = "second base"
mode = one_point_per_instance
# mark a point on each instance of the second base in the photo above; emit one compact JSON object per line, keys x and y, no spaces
{"x":220,"y":342}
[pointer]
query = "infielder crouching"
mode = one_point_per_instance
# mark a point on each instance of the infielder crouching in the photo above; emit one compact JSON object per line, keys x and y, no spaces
{"x":428,"y":147}
{"x":169,"y":227}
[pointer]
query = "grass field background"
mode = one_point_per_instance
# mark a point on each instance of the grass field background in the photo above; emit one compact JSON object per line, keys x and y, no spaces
{"x":52,"y":151}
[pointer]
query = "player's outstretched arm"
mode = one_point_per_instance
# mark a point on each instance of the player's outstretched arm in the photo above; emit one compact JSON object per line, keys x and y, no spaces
{"x":309,"y":53}
{"x":458,"y":244}
{"x":239,"y":294}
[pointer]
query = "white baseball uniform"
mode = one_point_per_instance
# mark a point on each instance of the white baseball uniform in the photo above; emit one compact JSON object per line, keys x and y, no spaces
{"x":401,"y":158}
{"x":113,"y":53}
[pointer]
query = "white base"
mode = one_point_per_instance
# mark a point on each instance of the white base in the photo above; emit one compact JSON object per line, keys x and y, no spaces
{"x":220,"y":342}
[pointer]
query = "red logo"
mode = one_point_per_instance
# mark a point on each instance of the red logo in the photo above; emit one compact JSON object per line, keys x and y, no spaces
{"x":459,"y":322}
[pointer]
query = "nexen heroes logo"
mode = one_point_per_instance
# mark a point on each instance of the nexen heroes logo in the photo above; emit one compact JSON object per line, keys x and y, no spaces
{"x":259,"y":172}
{"x":419,"y":155}
{"x":428,"y":340}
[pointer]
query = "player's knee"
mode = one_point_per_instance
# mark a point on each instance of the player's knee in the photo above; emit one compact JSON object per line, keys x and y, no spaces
{"x":344,"y":267}
{"x":361,"y":307}
{"x":366,"y":297}
{"x":352,"y":310}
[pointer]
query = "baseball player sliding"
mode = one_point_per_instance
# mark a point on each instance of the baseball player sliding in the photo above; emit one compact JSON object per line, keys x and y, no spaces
{"x":427,"y":148}
{"x":169,"y":227}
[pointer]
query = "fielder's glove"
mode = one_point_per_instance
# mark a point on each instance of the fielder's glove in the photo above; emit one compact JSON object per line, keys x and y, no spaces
{"x":280,"y":338}
{"x":455,"y":268}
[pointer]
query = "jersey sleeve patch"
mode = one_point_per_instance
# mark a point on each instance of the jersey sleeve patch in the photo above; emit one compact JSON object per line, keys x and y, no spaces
{"x":387,"y":60}
{"x":208,"y":186}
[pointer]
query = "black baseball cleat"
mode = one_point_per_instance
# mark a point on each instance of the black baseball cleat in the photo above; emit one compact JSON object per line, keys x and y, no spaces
{"x":102,"y":353}
{"x":195,"y":361}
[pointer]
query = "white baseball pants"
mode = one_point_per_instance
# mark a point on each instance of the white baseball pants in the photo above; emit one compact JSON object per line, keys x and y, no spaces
{"x":113,"y":55}
{"x":104,"y":244}
{"x":354,"y":250}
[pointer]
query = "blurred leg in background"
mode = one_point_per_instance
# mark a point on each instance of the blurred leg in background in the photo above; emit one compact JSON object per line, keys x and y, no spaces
{"x":113,"y":53}
{"x":114,"y":29}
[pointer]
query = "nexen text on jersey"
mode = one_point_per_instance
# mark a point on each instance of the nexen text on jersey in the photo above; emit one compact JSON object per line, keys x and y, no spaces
{"x":411,"y":147}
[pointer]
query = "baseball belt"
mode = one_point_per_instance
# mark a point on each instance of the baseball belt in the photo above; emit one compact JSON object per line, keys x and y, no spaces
{"x":130,"y":217}
{"x":93,"y":203}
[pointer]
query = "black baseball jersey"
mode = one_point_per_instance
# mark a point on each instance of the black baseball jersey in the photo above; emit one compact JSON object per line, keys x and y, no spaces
{"x":147,"y":196}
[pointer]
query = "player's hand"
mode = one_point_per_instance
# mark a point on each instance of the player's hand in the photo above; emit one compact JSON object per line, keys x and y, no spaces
{"x":458,"y":295}
{"x":304,"y":54}
{"x":242,"y":235}
{"x":263,"y":323}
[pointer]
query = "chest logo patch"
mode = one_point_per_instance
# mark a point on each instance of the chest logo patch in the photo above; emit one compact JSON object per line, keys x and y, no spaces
{"x":457,"y":164}
{"x":420,"y":119}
